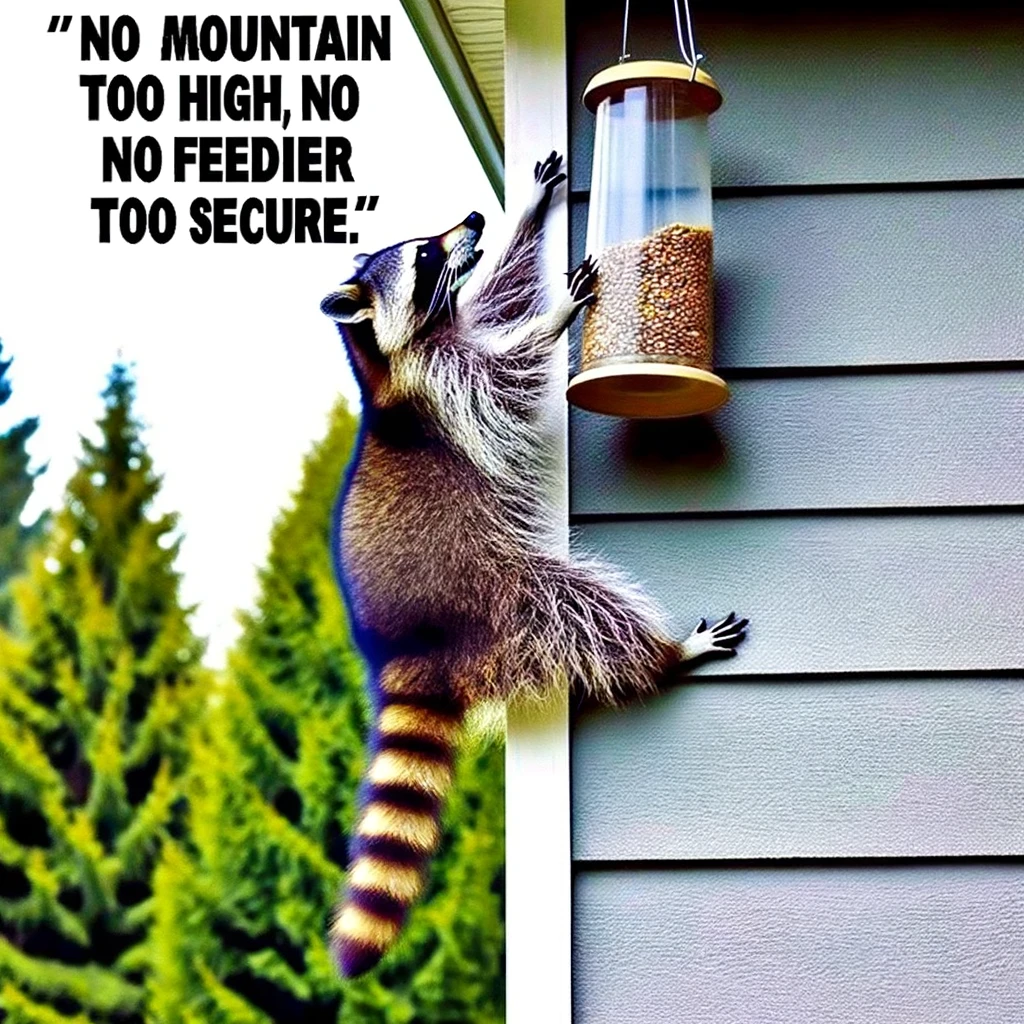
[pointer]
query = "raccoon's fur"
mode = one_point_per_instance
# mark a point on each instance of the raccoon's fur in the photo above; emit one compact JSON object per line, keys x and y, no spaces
{"x":444,"y":540}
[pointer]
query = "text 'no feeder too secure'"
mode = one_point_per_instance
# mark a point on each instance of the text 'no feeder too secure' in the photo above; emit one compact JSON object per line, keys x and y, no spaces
{"x":647,"y":339}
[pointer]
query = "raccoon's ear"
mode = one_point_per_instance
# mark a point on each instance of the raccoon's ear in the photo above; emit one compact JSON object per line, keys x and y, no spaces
{"x":348,"y":305}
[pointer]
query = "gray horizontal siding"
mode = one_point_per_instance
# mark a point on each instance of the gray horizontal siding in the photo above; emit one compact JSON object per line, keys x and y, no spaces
{"x":812,"y":99}
{"x":814,"y":442}
{"x":872,"y":768}
{"x":865,"y":278}
{"x":838,"y":593}
{"x":869,"y":313}
{"x":865,"y":945}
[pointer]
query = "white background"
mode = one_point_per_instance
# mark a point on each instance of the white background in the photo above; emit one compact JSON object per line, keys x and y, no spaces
{"x":236,"y":366}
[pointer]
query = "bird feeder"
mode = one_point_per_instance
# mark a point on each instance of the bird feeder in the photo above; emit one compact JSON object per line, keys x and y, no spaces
{"x":647,"y":339}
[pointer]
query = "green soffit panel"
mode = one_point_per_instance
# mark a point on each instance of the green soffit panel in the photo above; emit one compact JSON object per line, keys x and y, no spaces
{"x":465,"y":41}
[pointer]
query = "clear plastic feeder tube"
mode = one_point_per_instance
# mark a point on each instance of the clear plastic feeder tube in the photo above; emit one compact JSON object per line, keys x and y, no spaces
{"x":652,"y":163}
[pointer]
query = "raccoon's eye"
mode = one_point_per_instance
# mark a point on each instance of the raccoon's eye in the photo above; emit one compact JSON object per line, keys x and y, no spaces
{"x":429,"y":251}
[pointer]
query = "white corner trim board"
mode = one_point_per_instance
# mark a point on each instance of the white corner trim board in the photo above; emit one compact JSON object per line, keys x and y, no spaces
{"x":538,"y":853}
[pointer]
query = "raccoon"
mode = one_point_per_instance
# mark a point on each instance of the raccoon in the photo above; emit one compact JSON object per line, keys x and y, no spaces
{"x":443,"y":540}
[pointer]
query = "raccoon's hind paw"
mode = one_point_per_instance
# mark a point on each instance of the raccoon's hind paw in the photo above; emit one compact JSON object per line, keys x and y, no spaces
{"x":582,"y":282}
{"x":721,"y":638}
{"x":548,"y":174}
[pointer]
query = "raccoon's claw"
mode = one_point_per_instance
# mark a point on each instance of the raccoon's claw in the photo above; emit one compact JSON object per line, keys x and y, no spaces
{"x":722,"y":638}
{"x":582,"y":282}
{"x":547,"y":172}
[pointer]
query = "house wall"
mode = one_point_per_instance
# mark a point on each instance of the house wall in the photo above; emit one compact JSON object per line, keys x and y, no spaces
{"x":830,"y":826}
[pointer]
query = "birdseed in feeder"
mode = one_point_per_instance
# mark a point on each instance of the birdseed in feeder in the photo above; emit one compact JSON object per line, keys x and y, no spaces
{"x":654,"y":299}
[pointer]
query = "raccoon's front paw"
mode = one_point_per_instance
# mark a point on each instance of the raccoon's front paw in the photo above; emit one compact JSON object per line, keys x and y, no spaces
{"x":547,"y":172}
{"x":547,"y":176}
{"x":722,"y":638}
{"x":582,"y":282}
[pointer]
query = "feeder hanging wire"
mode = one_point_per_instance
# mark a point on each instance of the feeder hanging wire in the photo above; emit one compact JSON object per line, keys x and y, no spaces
{"x":691,"y":60}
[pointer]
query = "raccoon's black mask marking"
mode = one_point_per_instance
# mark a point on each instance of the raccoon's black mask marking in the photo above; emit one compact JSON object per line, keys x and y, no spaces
{"x":431,"y":260}
{"x":443,"y":264}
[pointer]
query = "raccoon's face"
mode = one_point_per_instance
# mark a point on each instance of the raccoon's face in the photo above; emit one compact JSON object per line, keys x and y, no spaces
{"x":406,"y":287}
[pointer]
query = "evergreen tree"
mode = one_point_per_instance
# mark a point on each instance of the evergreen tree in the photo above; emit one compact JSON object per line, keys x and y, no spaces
{"x":242,"y":909}
{"x":15,"y":487}
{"x":99,"y":682}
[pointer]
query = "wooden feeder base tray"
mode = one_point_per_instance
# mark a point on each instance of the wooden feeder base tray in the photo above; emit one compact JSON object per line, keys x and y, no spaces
{"x":647,"y":390}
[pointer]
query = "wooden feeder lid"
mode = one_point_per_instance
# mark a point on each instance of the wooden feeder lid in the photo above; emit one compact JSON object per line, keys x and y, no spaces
{"x":647,"y":390}
{"x":703,"y":92}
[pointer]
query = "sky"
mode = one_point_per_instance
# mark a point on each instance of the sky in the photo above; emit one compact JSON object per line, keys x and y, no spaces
{"x":236,"y":367}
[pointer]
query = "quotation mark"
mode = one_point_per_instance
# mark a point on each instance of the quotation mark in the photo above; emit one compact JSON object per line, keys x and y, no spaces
{"x":65,"y":23}
{"x":363,"y":203}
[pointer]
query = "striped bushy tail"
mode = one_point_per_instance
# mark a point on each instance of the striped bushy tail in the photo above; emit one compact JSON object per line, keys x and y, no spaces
{"x":411,"y":765}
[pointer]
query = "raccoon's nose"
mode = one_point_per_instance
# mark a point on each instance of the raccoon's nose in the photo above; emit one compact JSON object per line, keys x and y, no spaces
{"x":475,"y":221}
